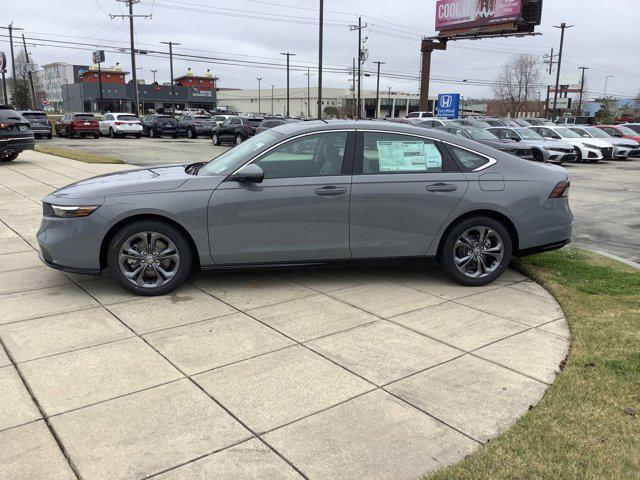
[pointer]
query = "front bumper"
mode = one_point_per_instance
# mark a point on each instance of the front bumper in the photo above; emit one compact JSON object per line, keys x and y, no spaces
{"x":559,"y":157}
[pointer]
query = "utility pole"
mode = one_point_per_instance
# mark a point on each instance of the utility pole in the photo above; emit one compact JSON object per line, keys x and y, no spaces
{"x":378,"y":89}
{"x":288,"y":55}
{"x":551,"y":63}
{"x":308,"y":75}
{"x":3,"y":71}
{"x":359,"y":27}
{"x":427,"y":47}
{"x":33,"y":90}
{"x":173,"y":92}
{"x":353,"y":87}
{"x":134,"y":75}
{"x":272,"y":98}
{"x":389,"y":100}
{"x":606,"y":81}
{"x":563,"y":26}
{"x":581,"y":89}
{"x":320,"y":39}
{"x":154,"y":74}
{"x":11,"y":28}
{"x":259,"y":96}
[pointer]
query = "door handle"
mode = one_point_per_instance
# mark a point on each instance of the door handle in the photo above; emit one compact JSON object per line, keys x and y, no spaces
{"x":441,"y":187}
{"x":330,"y":191}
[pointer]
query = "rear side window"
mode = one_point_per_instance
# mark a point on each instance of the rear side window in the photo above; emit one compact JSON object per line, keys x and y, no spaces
{"x":394,"y":153}
{"x":254,"y":123}
{"x":470,"y":160}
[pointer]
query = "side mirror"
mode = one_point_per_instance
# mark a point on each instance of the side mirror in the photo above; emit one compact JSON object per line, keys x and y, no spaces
{"x":251,"y":173}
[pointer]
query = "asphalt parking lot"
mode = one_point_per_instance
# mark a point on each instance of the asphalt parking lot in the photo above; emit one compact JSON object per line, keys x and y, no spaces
{"x":605,"y":197}
{"x":350,"y":373}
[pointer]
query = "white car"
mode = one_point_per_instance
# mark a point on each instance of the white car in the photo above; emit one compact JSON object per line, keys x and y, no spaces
{"x":120,"y":124}
{"x":587,"y":149}
{"x":623,"y":148}
{"x":220,"y":119}
{"x":420,"y":115}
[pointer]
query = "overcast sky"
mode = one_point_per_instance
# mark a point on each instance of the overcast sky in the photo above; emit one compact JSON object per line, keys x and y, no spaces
{"x":605,"y":39}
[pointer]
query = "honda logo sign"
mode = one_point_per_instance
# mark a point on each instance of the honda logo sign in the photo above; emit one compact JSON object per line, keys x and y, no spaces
{"x":448,"y":104}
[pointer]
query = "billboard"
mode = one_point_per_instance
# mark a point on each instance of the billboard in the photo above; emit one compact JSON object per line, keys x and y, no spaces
{"x":448,"y":105}
{"x":453,"y":14}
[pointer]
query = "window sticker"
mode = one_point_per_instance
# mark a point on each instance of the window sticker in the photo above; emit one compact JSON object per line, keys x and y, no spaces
{"x":408,"y":156}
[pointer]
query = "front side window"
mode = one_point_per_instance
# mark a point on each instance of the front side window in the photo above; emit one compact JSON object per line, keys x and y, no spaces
{"x":234,"y":158}
{"x":480,"y":134}
{"x":581,"y":132}
{"x":566,"y":133}
{"x":394,"y":153}
{"x":413,"y":115}
{"x":315,"y":155}
{"x":469,"y":159}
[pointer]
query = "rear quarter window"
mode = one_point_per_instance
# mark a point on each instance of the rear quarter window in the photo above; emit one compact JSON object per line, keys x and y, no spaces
{"x":470,"y":160}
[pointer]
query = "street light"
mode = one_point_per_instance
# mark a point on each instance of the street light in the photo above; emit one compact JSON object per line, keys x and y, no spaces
{"x":173,"y":102}
{"x":154,"y":74}
{"x":272,"y":98}
{"x":288,"y":55}
{"x":606,"y":80}
{"x":259,"y":96}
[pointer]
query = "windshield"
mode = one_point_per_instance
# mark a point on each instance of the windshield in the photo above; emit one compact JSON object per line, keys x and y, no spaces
{"x":527,"y":134}
{"x":597,"y":133}
{"x":236,"y":156}
{"x":480,"y":134}
{"x":42,"y":116}
{"x":481,"y":123}
{"x":566,"y":133}
{"x":626,"y":131}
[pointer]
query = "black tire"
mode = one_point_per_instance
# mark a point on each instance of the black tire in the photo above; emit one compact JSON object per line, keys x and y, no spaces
{"x":239,"y":139}
{"x":96,"y":135}
{"x":537,"y":156}
{"x":215,"y":138}
{"x":138,"y":135}
{"x":49,"y":137}
{"x":165,"y":229}
{"x":112,"y":134}
{"x":578,"y":155}
{"x":152,"y":133}
{"x":191,"y":133}
{"x":70,"y":134}
{"x":8,"y":157}
{"x":446,"y":252}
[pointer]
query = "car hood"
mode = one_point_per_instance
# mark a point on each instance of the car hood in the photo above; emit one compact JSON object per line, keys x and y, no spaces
{"x":623,"y":142}
{"x":151,"y":179}
{"x":553,"y":143}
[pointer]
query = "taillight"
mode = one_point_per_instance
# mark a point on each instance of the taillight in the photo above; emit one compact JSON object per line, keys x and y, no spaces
{"x":119,"y":123}
{"x":560,"y":190}
{"x":4,"y":125}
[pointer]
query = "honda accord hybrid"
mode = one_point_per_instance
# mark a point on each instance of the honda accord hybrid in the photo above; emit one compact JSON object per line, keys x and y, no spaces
{"x":312,"y":193}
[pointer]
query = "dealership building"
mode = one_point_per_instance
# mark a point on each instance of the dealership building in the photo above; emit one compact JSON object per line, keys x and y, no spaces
{"x":189,"y":91}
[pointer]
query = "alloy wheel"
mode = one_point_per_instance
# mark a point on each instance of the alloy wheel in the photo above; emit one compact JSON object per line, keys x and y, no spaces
{"x":149,"y":259}
{"x":238,"y":139}
{"x":478,"y":252}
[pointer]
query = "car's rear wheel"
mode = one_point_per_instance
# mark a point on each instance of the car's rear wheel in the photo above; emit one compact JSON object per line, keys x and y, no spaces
{"x":96,"y":135}
{"x":476,"y":251}
{"x":191,"y":133}
{"x":112,"y":134}
{"x":149,"y":257}
{"x":8,"y":156}
{"x":70,"y":134}
{"x":151,"y":133}
{"x":216,"y":139}
{"x":138,"y":135}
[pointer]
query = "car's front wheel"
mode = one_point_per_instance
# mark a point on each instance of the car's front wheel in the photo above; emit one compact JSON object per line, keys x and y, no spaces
{"x":216,"y":139}
{"x":238,"y":139}
{"x":8,"y":156}
{"x":476,"y":251}
{"x":149,"y":257}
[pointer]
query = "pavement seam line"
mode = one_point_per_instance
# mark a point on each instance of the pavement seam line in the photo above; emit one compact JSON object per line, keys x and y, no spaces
{"x":44,"y":416}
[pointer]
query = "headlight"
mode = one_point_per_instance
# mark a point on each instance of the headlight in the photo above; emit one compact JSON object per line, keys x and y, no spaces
{"x":67,"y":211}
{"x":591,"y":146}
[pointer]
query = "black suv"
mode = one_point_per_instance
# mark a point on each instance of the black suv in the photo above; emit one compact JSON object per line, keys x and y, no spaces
{"x":194,"y":124}
{"x":157,"y":125}
{"x":40,"y":124}
{"x":15,"y":134}
{"x":236,"y":129}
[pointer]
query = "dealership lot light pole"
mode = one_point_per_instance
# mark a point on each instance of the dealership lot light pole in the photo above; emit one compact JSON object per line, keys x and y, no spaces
{"x":173,"y":93}
{"x":581,"y":89}
{"x":378,"y":89}
{"x":563,"y":26}
{"x":320,"y":39}
{"x":288,"y":55}
{"x":359,"y":27}
{"x":606,"y":81}
{"x":259,"y":95}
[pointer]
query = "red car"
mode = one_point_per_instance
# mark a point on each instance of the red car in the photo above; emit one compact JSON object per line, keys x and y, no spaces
{"x":620,"y":131}
{"x":82,"y":124}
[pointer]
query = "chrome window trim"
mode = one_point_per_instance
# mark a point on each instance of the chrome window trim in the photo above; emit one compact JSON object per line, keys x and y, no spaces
{"x":491,"y":161}
{"x":286,"y":140}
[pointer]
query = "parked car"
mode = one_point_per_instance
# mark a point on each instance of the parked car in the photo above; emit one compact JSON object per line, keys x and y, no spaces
{"x":156,"y":125}
{"x":536,"y":121}
{"x":623,"y":148}
{"x":543,"y":150}
{"x":220,"y":119}
{"x":587,"y":150}
{"x":522,"y":122}
{"x":274,"y":122}
{"x":16,"y":135}
{"x":337,"y":200}
{"x":632,"y":126}
{"x":80,"y":124}
{"x":38,"y":122}
{"x":580,"y":120}
{"x":433,"y":123}
{"x":196,"y":124}
{"x":621,"y":131}
{"x":470,"y":122}
{"x":487,"y":138}
{"x":493,"y":122}
{"x":419,"y":115}
{"x":236,"y":130}
{"x":120,"y":125}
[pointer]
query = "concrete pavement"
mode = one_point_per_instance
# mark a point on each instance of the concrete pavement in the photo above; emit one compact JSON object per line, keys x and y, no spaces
{"x":308,"y":373}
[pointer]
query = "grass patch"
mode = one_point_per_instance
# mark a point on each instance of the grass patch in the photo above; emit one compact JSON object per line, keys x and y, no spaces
{"x":78,"y":155}
{"x":580,"y":429}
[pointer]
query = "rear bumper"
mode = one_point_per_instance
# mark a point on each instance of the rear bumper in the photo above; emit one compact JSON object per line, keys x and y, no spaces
{"x":543,"y":248}
{"x":17,"y":144}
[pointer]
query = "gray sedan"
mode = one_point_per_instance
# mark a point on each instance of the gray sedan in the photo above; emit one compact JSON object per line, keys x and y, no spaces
{"x":312,"y":193}
{"x":552,"y":151}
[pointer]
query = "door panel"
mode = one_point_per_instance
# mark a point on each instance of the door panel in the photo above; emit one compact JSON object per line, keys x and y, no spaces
{"x":399,"y":213}
{"x":300,"y":211}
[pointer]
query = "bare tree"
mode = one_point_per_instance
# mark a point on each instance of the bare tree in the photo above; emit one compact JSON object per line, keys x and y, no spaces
{"x":517,"y":83}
